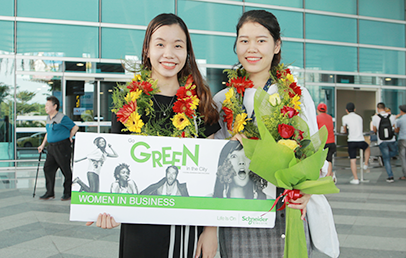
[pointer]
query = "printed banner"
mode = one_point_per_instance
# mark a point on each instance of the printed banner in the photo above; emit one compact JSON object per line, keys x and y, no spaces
{"x":165,"y":180}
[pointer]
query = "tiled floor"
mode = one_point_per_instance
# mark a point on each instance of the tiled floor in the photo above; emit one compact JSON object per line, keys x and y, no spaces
{"x":370,"y":220}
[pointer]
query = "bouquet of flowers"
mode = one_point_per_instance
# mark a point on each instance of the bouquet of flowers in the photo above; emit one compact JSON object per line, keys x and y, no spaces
{"x":133,"y":104}
{"x":282,"y":151}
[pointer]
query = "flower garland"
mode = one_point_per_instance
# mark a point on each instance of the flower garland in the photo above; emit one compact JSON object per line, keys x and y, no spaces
{"x":279,"y":121}
{"x":134,"y":101}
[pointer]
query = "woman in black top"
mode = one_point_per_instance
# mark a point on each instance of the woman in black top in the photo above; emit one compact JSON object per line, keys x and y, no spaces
{"x":168,"y":54}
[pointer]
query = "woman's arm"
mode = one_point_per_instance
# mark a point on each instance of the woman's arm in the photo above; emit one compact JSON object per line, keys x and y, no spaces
{"x":114,"y":155}
{"x":207,"y":244}
{"x":78,"y":160}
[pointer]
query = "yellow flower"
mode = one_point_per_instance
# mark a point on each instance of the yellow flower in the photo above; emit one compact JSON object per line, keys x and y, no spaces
{"x":275,"y":99}
{"x":134,"y":123}
{"x":291,"y":144}
{"x":239,"y":123}
{"x":290,"y":78}
{"x":195,"y":102}
{"x":137,"y":77}
{"x":180,"y":121}
{"x":229,"y":95}
{"x":296,"y":103}
{"x":133,"y":96}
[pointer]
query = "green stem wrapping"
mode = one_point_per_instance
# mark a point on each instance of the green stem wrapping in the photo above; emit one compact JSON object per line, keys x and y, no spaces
{"x":295,"y":241}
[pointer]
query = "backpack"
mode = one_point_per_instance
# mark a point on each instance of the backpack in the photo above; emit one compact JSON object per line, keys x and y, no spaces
{"x":385,"y":128}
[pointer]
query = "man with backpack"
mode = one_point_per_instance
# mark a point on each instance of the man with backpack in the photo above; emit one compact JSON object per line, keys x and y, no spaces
{"x":383,"y":124}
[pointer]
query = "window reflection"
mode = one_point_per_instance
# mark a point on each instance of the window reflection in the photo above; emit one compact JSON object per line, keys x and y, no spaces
{"x":6,"y":112}
{"x":39,"y":65}
{"x":31,"y":94}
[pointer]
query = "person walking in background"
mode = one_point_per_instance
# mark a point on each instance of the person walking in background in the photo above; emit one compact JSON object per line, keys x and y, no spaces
{"x":60,"y":130}
{"x":325,"y":119}
{"x":383,"y":124}
{"x":401,"y":130}
{"x":352,"y":124}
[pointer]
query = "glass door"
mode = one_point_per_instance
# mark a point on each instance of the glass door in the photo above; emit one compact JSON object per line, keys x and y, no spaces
{"x":88,"y":103}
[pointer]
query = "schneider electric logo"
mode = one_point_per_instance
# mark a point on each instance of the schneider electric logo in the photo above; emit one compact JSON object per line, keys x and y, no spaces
{"x":254,"y":220}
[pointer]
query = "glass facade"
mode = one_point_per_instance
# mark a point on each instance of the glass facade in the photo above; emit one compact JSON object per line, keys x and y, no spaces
{"x":7,"y":7}
{"x":382,"y":61}
{"x":134,"y":12}
{"x":77,"y":10}
{"x":57,"y":40}
{"x":130,"y":43}
{"x":323,"y":27}
{"x":331,"y":57}
{"x":7,"y":116}
{"x":7,"y":35}
{"x":287,"y":3}
{"x":394,"y":9}
{"x":343,"y":6}
{"x":74,"y":50}
{"x":393,"y":99}
{"x":382,"y":33}
{"x":194,"y":12}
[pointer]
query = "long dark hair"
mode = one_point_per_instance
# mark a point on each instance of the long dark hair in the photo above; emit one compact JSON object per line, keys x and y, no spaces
{"x":269,"y":21}
{"x":206,"y":105}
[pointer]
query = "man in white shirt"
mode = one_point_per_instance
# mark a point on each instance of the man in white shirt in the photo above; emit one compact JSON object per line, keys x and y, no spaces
{"x":387,"y":146}
{"x":352,"y":124}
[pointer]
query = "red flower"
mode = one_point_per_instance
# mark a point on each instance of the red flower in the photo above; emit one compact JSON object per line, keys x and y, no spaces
{"x":183,"y":106}
{"x":299,"y":134}
{"x":290,"y":111}
{"x":183,"y":134}
{"x":254,"y":138}
{"x":296,"y":90}
{"x":181,"y":93}
{"x":144,"y":86}
{"x":285,"y":72}
{"x":133,"y":86}
{"x":240,"y":84}
{"x":228,"y":117}
{"x":185,"y":92}
{"x":189,"y":80}
{"x":286,"y":131}
{"x":126,"y":111}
